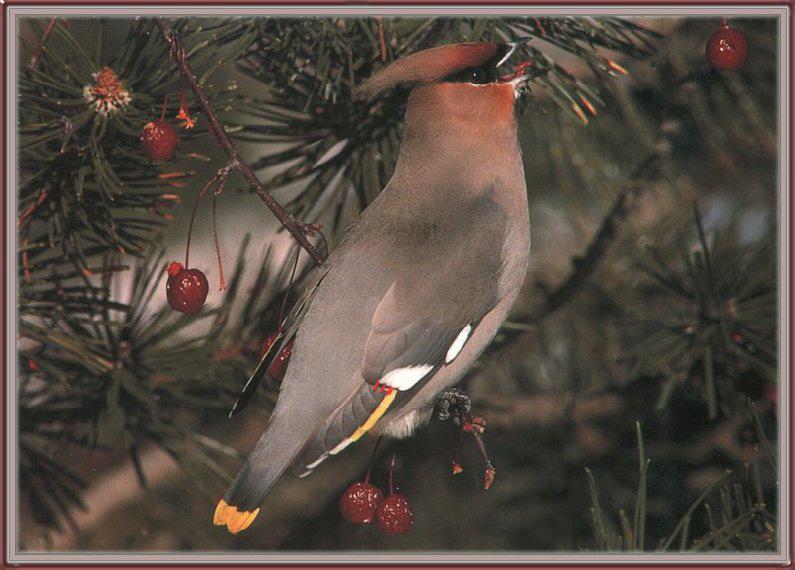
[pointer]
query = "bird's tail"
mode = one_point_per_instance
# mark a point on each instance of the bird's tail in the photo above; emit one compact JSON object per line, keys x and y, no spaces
{"x":276,"y":450}
{"x":355,"y":417}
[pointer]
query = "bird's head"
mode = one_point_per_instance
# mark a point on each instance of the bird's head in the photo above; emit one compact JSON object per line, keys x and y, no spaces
{"x":457,"y":84}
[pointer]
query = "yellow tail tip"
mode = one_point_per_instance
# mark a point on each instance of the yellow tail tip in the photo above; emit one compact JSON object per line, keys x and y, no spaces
{"x":235,"y":521}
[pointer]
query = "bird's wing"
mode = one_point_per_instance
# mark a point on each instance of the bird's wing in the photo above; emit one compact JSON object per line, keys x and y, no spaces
{"x":447,"y":280}
{"x":412,"y":336}
{"x":289,"y":328}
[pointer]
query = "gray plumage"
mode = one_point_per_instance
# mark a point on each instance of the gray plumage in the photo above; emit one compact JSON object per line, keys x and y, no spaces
{"x":445,"y":246}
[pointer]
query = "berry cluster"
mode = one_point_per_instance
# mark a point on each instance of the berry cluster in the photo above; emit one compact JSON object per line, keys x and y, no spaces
{"x":363,"y":503}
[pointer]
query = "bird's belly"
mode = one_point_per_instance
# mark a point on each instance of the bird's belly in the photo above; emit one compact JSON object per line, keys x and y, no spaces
{"x":406,"y":423}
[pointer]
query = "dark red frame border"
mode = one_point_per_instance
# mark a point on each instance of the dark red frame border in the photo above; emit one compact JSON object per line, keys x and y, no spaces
{"x":369,"y":3}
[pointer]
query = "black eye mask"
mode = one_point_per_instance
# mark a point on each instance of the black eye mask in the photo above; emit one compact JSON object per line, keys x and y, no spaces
{"x":486,"y":73}
{"x":475,"y":75}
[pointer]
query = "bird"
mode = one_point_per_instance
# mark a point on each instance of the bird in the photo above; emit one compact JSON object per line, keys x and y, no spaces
{"x":417,"y":287}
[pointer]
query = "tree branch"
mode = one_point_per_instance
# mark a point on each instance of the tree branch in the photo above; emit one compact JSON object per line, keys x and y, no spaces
{"x":586,"y":264}
{"x":296,"y":229}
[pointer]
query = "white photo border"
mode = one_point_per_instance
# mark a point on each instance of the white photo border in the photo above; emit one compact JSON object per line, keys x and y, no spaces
{"x":15,"y":556}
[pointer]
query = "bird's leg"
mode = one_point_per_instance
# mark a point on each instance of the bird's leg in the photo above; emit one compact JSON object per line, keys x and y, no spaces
{"x":454,"y":405}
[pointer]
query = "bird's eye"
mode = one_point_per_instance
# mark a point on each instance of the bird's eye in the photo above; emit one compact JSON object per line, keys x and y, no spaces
{"x":473,"y":75}
{"x":478,"y":76}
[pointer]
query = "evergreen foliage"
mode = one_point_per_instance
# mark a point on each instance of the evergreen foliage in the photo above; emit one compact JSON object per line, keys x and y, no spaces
{"x":659,"y":303}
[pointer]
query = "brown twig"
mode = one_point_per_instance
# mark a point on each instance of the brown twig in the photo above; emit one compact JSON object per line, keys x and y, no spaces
{"x":34,"y":61}
{"x":296,"y":229}
{"x":586,"y":264}
{"x":475,"y":426}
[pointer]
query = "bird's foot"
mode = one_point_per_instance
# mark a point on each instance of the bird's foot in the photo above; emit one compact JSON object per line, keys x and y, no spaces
{"x":455,"y":406}
{"x":449,"y":405}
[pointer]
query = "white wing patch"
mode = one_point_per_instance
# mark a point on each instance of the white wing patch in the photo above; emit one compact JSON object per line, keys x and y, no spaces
{"x":405,"y":378}
{"x":458,"y":344}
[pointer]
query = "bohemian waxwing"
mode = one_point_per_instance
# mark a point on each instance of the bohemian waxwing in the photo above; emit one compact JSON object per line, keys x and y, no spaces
{"x":418,"y":287}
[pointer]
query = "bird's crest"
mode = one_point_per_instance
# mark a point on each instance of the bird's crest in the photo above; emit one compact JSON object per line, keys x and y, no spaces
{"x":427,"y":66}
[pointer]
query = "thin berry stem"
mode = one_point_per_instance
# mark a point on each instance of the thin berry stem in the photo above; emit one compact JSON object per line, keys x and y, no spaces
{"x":478,"y":440}
{"x":372,"y":459}
{"x":391,"y":469}
{"x":222,"y":281}
{"x":163,"y":109}
{"x":458,"y":445}
{"x":193,"y":217}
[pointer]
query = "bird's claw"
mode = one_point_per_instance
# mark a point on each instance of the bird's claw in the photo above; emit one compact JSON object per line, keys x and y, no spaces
{"x":450,"y":404}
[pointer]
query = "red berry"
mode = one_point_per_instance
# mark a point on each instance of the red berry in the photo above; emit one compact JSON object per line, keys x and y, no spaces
{"x":727,"y":48}
{"x":270,"y":338}
{"x":278,"y":366}
{"x":394,"y":515}
{"x":158,"y":140}
{"x":359,"y":502}
{"x":186,"y":289}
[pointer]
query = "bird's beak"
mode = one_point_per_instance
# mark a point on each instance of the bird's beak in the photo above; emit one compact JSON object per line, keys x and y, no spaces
{"x":510,"y":47}
{"x":518,"y":75}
